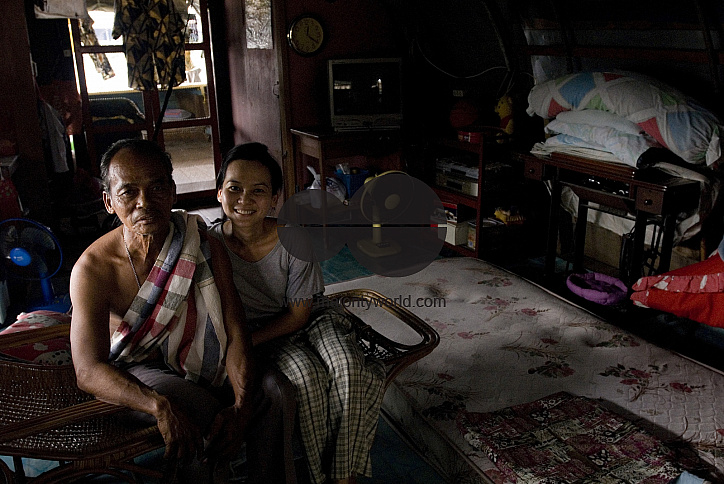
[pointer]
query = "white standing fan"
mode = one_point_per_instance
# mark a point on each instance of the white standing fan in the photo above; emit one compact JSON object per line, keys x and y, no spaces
{"x":384,"y":198}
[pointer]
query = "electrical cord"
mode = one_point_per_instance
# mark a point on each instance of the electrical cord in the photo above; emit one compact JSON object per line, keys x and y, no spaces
{"x":450,"y":74}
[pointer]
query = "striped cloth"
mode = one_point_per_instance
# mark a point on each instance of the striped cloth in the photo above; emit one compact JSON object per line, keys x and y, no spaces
{"x":177,"y":309}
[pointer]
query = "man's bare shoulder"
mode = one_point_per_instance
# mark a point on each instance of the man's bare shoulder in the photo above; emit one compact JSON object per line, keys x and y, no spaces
{"x":100,"y":259}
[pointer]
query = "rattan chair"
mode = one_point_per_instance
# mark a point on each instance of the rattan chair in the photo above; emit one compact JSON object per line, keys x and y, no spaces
{"x":396,"y":356}
{"x":44,"y":415}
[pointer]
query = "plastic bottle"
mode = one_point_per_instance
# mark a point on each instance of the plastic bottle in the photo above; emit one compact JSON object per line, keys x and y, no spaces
{"x":315,"y":198}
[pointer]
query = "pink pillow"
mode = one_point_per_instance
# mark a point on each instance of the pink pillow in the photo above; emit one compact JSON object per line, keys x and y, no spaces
{"x":55,"y":351}
{"x":695,"y":292}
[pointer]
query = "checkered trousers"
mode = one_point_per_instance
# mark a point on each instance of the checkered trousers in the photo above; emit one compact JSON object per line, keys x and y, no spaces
{"x":338,"y":391}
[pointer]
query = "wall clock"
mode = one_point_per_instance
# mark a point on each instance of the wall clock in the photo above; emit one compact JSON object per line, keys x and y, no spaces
{"x":306,"y":35}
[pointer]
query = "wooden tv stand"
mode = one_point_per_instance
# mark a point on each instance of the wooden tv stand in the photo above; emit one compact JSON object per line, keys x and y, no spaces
{"x":324,"y":144}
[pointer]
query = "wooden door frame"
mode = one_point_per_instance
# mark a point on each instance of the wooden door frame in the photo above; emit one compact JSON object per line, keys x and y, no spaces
{"x":152,"y":99}
{"x":280,"y":39}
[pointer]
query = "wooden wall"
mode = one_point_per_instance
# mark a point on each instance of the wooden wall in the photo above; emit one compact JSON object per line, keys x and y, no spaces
{"x":18,"y":105}
{"x":355,"y":28}
{"x":275,"y":90}
{"x":676,"y":42}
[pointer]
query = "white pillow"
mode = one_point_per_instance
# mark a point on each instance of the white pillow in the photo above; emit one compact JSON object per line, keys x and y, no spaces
{"x":603,"y":119}
{"x":568,"y":140}
{"x":626,"y":147}
{"x":676,"y":121}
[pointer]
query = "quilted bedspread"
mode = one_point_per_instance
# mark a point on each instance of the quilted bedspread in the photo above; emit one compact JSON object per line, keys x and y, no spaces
{"x":505,"y":341}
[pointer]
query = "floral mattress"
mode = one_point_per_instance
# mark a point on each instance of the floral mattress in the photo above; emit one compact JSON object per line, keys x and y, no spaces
{"x":506,"y":342}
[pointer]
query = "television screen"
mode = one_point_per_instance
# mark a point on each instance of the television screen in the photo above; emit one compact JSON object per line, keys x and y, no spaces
{"x":365,"y":93}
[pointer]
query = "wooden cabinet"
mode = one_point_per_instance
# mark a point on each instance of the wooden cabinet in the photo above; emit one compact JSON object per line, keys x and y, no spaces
{"x":452,"y":188}
{"x":651,"y":195}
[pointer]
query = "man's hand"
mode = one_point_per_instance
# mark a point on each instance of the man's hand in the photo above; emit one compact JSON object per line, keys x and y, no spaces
{"x":227,"y":433}
{"x":182,"y":437}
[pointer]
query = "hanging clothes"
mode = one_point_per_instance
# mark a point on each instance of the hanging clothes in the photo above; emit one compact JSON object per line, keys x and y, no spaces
{"x":153,"y":38}
{"x":100,"y":61}
{"x":54,"y":136}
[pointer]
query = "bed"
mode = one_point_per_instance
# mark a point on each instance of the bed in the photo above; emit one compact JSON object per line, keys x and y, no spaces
{"x":506,"y":342}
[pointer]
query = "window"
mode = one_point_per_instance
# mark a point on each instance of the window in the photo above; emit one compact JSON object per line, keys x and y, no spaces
{"x":188,"y":129}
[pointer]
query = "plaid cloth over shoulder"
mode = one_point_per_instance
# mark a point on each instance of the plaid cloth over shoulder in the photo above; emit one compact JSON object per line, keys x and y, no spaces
{"x":177,"y":309}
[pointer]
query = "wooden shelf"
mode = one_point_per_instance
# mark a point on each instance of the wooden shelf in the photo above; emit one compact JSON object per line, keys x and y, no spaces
{"x":449,"y":146}
{"x":605,"y":52}
{"x":455,"y":197}
{"x":459,"y":145}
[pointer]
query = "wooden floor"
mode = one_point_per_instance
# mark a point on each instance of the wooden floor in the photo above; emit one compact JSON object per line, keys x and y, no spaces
{"x":193,"y":159}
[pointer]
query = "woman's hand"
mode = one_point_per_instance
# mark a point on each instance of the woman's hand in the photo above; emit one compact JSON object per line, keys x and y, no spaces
{"x":227,"y":433}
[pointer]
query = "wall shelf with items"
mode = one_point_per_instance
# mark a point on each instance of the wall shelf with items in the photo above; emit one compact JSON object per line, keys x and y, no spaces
{"x":474,"y":179}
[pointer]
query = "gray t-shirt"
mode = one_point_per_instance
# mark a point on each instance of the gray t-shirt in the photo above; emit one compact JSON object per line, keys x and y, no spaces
{"x":268,"y":285}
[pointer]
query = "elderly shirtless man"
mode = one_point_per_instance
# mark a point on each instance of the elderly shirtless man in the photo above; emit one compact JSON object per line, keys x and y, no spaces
{"x":156,"y":330}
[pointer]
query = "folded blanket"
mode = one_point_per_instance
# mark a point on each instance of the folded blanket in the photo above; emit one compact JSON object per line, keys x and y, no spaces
{"x":177,"y":309}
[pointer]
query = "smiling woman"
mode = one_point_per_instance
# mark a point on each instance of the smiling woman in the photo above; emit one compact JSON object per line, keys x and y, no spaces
{"x":338,"y":389}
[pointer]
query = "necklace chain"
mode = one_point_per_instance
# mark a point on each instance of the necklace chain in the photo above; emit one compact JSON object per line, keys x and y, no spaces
{"x":130,"y":259}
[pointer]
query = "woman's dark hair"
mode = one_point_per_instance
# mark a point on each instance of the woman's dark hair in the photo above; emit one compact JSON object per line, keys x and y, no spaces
{"x":139,"y":147}
{"x":252,"y":152}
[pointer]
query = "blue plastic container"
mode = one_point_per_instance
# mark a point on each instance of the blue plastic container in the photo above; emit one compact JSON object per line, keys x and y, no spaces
{"x":352,"y":182}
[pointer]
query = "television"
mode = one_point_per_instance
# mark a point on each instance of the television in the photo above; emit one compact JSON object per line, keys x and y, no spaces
{"x":365,"y":93}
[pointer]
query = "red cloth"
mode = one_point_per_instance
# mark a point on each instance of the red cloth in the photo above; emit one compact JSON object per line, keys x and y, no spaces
{"x":695,"y":292}
{"x":54,"y":351}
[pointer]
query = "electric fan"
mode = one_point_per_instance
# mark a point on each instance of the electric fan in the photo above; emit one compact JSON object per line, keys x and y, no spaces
{"x":397,"y":228}
{"x":31,"y":252}
{"x":384,"y":198}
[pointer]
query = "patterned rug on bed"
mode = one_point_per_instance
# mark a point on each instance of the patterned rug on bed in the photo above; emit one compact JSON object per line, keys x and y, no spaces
{"x":565,"y":438}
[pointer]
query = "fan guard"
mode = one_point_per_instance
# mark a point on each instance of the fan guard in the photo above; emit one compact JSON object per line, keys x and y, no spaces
{"x":31,"y":252}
